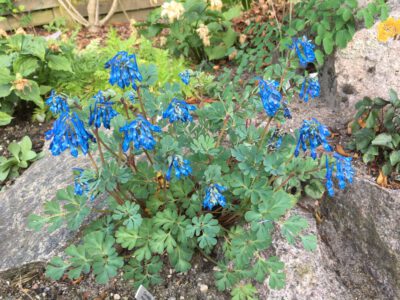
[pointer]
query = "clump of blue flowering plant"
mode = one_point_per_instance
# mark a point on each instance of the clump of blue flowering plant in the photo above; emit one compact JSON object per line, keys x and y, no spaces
{"x":170,"y":178}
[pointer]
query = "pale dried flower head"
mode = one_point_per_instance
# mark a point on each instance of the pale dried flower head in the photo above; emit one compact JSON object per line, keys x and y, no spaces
{"x":172,"y":10}
{"x":20,"y":30}
{"x":20,"y":84}
{"x":203,"y":33}
{"x":53,"y":47}
{"x":242,"y":39}
{"x":216,"y":5}
{"x":3,"y":33}
{"x":163,"y":41}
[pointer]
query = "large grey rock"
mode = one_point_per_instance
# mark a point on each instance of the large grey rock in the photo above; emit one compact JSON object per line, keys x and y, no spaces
{"x":367,"y":67}
{"x":20,"y":246}
{"x":309,"y":275}
{"x":362,"y":231}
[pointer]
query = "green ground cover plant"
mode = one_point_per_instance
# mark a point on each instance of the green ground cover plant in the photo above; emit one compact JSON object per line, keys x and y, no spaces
{"x":172,"y":179}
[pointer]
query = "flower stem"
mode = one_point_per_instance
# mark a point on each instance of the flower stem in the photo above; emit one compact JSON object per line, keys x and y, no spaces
{"x":264,"y":134}
{"x":141,"y":103}
{"x":99,"y":142}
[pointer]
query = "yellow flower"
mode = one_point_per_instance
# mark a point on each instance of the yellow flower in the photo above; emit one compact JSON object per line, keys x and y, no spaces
{"x":388,"y":29}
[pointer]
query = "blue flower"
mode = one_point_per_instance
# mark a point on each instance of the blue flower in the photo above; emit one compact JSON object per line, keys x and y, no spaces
{"x":182,"y":167}
{"x":57,"y":103}
{"x":344,"y":170}
{"x":315,"y":134}
{"x":270,"y":96}
{"x":103,"y":111}
{"x":178,"y":110}
{"x":310,"y":87}
{"x":185,"y":76}
{"x":286,"y":111}
{"x":131,"y":96}
{"x":69,"y":132}
{"x":124,"y":70}
{"x":214,"y":196}
{"x":304,"y":49}
{"x":139,"y":132}
{"x":81,"y":183}
{"x":328,"y":176}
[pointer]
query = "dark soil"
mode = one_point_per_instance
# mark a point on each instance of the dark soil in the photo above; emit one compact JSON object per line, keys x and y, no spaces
{"x":197,"y":284}
{"x":21,"y":126}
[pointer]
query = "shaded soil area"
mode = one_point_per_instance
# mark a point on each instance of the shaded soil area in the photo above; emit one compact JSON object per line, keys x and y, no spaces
{"x":21,"y":126}
{"x":196,"y":284}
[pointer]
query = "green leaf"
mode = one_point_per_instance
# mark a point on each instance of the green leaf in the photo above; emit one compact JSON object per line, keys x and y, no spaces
{"x":126,"y":237}
{"x":328,"y":44}
{"x":5,"y":119}
{"x":25,"y":65}
{"x":292,"y":227}
{"x":31,"y":92}
{"x":5,"y":77}
{"x":232,"y":13}
{"x":35,"y":46}
{"x":180,"y":258}
{"x":129,"y":213}
{"x":244,"y":292}
{"x":395,"y":157}
{"x":79,"y":260}
{"x":56,"y":268}
{"x":59,"y":63}
{"x":315,"y":189}
{"x":383,"y":139}
{"x":309,"y":242}
{"x":319,"y":56}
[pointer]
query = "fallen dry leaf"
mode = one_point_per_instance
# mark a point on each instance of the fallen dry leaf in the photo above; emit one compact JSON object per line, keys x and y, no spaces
{"x":341,"y":151}
{"x":382,"y":179}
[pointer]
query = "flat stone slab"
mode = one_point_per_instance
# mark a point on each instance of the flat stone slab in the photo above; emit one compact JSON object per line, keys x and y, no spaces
{"x":362,"y":232}
{"x":19,"y":245}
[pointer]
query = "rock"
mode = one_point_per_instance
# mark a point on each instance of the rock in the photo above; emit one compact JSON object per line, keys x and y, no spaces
{"x":308,"y":274}
{"x":362,"y":231}
{"x":117,"y":297}
{"x":367,"y":67}
{"x":19,"y":245}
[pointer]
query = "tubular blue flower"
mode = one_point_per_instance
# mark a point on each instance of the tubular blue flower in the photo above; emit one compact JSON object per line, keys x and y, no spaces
{"x":57,"y":103}
{"x":81,"y":184}
{"x":315,"y":134}
{"x":69,"y":132}
{"x":185,"y":76}
{"x":310,"y":87}
{"x":304,"y":49}
{"x":139,"y":132}
{"x":182,"y":167}
{"x":214,"y":196}
{"x":124,"y":70}
{"x":344,"y":170}
{"x":131,"y":96}
{"x":102,"y":111}
{"x":178,"y":110}
{"x":286,"y":111}
{"x":328,"y":176}
{"x":270,"y":96}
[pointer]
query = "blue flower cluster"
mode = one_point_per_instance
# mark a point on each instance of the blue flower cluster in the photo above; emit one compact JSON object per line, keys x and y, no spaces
{"x":315,"y":134}
{"x":139,"y":132}
{"x":124,"y":70}
{"x":182,"y":167}
{"x":310,"y":87}
{"x":304,"y":49}
{"x":270,"y":96}
{"x":102,"y":111}
{"x":81,"y":184}
{"x":344,"y":172}
{"x":69,"y":132}
{"x":185,"y":76}
{"x":57,"y":103}
{"x":214,"y":196}
{"x":178,"y":110}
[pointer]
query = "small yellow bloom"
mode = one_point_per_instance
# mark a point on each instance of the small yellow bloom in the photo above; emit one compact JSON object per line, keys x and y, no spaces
{"x":216,"y":5}
{"x":203,"y":33}
{"x":388,"y":29}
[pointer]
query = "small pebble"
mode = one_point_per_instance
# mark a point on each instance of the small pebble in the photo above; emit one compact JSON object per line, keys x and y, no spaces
{"x":117,"y":297}
{"x":203,"y":288}
{"x":171,"y":298}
